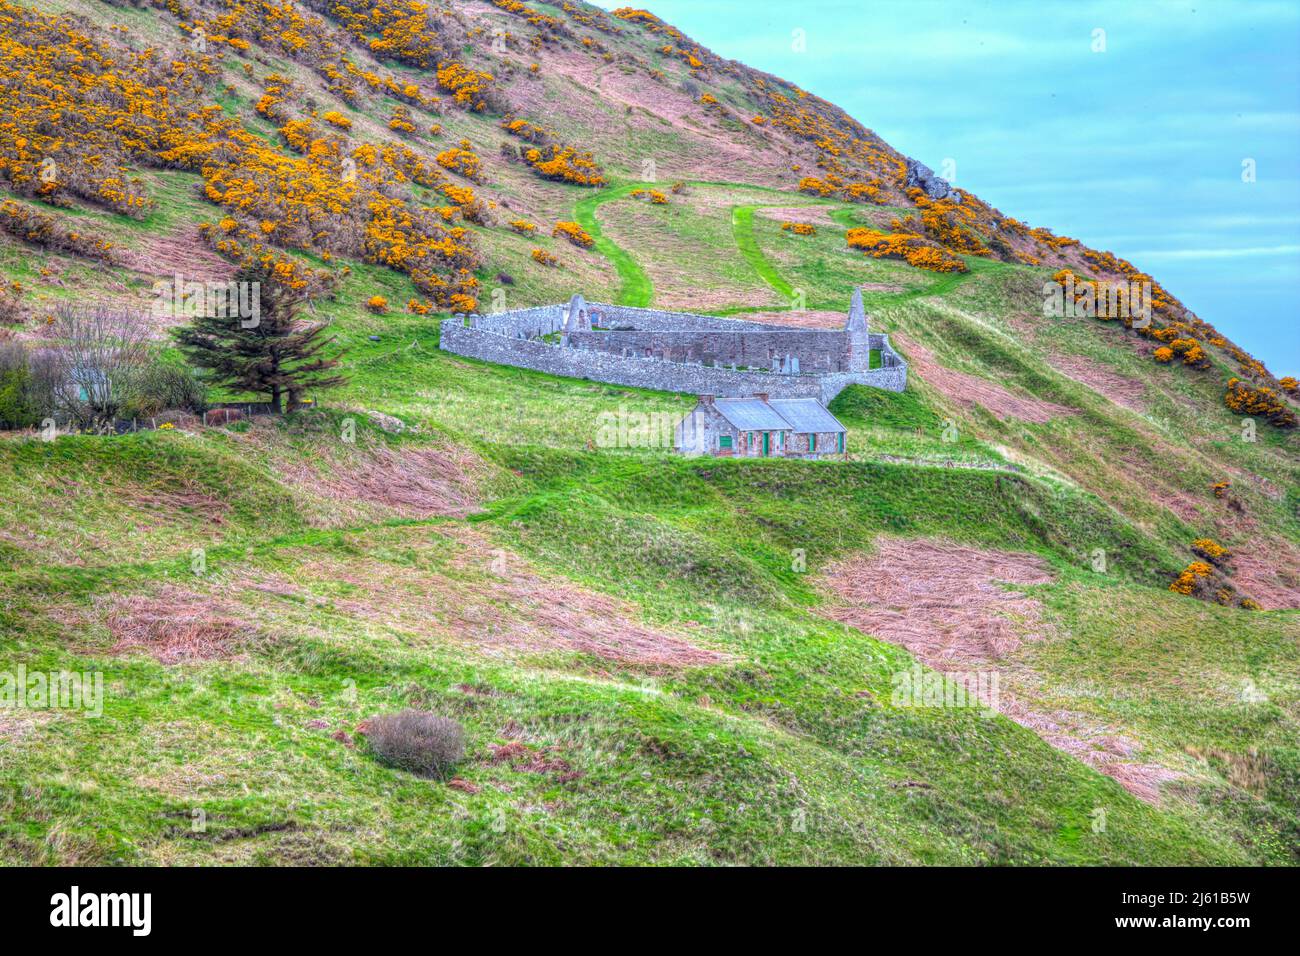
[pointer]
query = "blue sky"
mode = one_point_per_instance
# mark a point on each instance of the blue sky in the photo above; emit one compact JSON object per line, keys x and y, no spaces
{"x":1137,"y":149}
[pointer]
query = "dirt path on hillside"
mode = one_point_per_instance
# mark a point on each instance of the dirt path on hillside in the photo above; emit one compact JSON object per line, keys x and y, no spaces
{"x":951,"y":607}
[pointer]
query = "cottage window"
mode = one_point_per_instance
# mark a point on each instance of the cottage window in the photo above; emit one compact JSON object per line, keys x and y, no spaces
{"x":724,"y":441}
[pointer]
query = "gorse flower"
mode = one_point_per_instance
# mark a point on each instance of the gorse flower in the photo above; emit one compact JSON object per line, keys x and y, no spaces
{"x":574,"y":233}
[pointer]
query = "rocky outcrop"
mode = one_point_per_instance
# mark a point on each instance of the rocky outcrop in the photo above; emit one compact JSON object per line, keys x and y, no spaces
{"x":923,"y":177}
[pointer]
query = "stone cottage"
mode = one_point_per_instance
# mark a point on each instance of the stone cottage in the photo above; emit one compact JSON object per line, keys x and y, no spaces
{"x":760,"y":427}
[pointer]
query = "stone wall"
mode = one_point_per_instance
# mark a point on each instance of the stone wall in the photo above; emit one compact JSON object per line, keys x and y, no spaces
{"x":514,"y":338}
{"x":814,"y":350}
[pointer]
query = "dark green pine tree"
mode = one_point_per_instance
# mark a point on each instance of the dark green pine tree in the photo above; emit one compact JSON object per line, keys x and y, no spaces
{"x":278,"y":357}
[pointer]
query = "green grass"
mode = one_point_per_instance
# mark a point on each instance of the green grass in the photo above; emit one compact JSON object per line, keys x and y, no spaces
{"x":786,"y":748}
{"x":636,"y":289}
{"x":742,"y":221}
{"x":669,"y":761}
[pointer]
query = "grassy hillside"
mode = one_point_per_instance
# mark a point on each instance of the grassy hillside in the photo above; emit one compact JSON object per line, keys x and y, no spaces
{"x":656,"y":660}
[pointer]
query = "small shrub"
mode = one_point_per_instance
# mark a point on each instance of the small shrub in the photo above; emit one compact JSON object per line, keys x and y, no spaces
{"x":20,"y":404}
{"x":377,"y":304}
{"x":545,"y":258}
{"x":401,"y":120}
{"x":1247,"y":400}
{"x":1210,"y":550}
{"x":417,"y":741}
{"x":1193,"y":580}
{"x":574,"y":233}
{"x":158,"y":385}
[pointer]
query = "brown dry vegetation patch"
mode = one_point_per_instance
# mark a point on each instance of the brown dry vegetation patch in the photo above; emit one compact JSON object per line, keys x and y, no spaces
{"x":949,"y":606}
{"x":648,"y":106}
{"x":1267,"y":569}
{"x":16,"y":723}
{"x":501,"y":601}
{"x":183,"y":253}
{"x":1120,"y":389}
{"x":457,"y":586}
{"x":685,"y":270}
{"x":173,"y":624}
{"x":967,"y":390}
{"x":802,"y":318}
{"x":940,"y":601}
{"x":159,"y":506}
{"x":812,"y":215}
{"x":1079,"y":736}
{"x":413,"y":481}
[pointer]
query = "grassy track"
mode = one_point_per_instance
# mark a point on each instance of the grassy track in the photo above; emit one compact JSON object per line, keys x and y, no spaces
{"x":742,"y":224}
{"x":636,"y":289}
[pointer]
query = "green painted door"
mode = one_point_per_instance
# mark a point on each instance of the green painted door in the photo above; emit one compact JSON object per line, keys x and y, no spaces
{"x":767,"y":444}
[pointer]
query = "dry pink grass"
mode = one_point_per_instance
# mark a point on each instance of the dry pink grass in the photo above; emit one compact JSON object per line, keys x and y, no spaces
{"x":413,"y":481}
{"x":947,"y":604}
{"x":158,"y":506}
{"x":812,"y":215}
{"x":1267,"y":569}
{"x":967,"y":390}
{"x":704,"y":146}
{"x":173,"y":624}
{"x":1127,"y":392}
{"x":458,"y":587}
{"x":503,"y":603}
{"x":941,"y":601}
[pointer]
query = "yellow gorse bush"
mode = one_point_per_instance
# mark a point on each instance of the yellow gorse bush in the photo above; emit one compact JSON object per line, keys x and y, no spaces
{"x":912,"y":249}
{"x":573,"y":232}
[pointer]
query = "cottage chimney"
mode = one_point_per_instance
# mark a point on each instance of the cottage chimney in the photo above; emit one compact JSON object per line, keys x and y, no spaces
{"x":706,"y":400}
{"x":761,"y":396}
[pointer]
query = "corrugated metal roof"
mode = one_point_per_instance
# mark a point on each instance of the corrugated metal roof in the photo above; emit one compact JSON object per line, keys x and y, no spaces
{"x":751,"y":414}
{"x":806,"y":415}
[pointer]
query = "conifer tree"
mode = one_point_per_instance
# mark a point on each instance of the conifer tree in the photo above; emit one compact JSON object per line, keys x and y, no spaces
{"x":277,"y":355}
